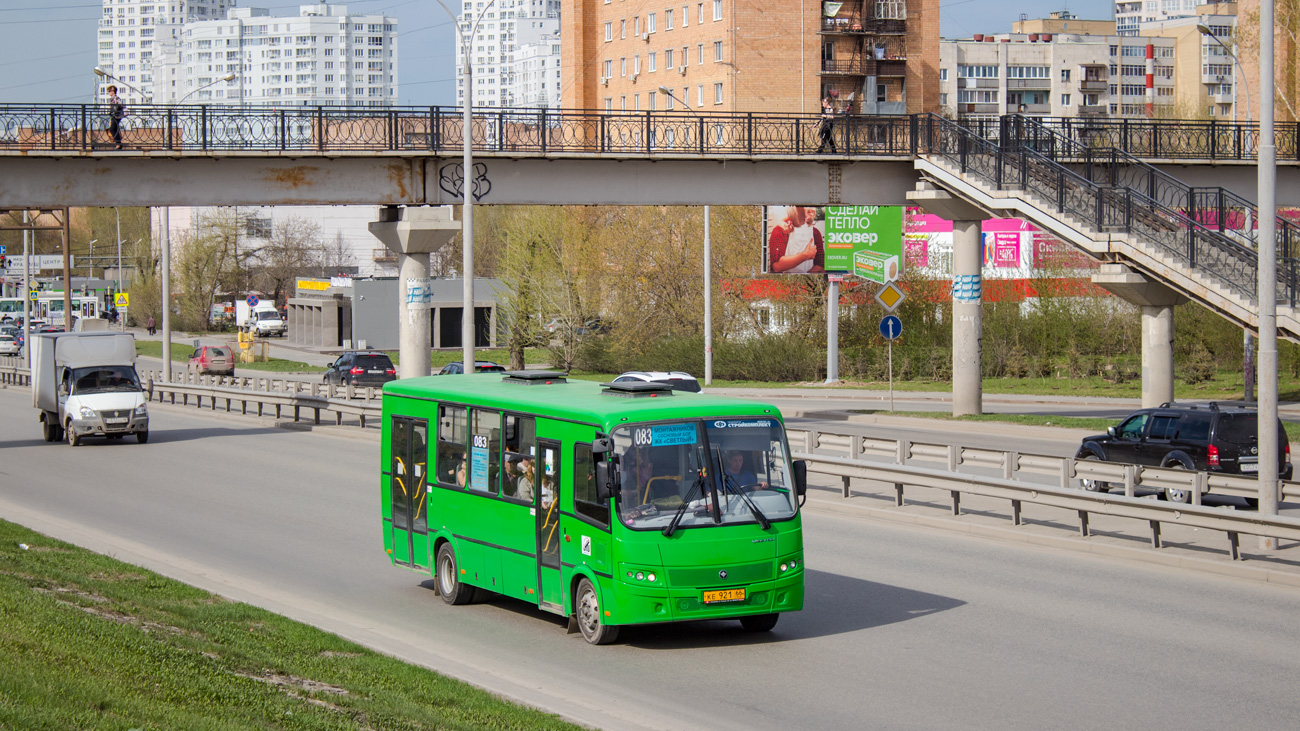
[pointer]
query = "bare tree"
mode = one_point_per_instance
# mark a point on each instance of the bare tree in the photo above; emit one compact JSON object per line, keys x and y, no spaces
{"x":292,"y":251}
{"x":335,"y":255}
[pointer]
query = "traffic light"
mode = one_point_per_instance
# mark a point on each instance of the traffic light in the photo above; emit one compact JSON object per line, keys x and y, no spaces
{"x":3,"y":261}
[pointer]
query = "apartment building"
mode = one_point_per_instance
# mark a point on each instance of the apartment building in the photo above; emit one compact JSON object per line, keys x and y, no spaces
{"x":324,"y":56}
{"x":133,"y":34}
{"x":497,"y":32}
{"x":723,"y":55}
{"x":1206,"y":78}
{"x":1131,"y":14}
{"x":1056,"y":75}
{"x":533,"y":78}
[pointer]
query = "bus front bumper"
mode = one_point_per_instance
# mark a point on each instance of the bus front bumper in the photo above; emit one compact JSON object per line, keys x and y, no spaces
{"x":640,"y":603}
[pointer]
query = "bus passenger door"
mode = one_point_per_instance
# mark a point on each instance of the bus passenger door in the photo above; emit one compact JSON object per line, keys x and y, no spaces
{"x":409,"y":488}
{"x":550,"y":590}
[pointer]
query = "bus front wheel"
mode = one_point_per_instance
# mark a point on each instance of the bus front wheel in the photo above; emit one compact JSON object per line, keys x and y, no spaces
{"x":449,"y":584}
{"x":759,"y":622}
{"x":590,"y":621}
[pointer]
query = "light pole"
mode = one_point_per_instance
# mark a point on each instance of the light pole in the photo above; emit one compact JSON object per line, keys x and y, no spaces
{"x":227,"y":77}
{"x":90,"y":259}
{"x":708,"y":265}
{"x":467,"y":187}
{"x":1267,"y":288}
{"x":1248,"y":340}
{"x":104,"y":74}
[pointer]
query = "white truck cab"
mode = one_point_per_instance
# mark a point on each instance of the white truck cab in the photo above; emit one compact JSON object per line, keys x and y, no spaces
{"x":85,"y":384}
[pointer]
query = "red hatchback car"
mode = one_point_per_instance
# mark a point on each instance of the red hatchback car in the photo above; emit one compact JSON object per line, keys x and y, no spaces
{"x":215,"y":359}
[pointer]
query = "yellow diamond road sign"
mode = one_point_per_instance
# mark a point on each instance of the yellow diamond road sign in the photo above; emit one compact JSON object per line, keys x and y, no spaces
{"x":121,"y":299}
{"x":890,"y":296}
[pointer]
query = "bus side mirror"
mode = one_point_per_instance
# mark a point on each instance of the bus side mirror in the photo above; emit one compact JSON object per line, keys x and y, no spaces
{"x":800,"y":468}
{"x":601,"y":446}
{"x":606,"y":476}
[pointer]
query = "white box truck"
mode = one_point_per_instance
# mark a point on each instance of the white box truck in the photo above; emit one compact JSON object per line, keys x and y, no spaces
{"x":263,"y":320}
{"x":85,"y":385}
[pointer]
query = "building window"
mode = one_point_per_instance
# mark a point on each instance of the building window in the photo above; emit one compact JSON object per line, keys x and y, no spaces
{"x":609,"y":103}
{"x":977,"y":72}
{"x":717,"y":51}
{"x":609,"y":68}
{"x":943,"y":99}
{"x":651,"y":62}
{"x":1065,"y":100}
{"x":668,"y":20}
{"x":699,"y":95}
{"x":717,"y":9}
{"x":1065,"y":74}
{"x":1028,"y":72}
{"x":717,"y":93}
{"x":622,"y":67}
{"x":650,"y":24}
{"x":609,"y":31}
{"x":943,"y":74}
{"x":699,"y":56}
{"x":668,"y":59}
{"x":686,"y":16}
{"x":652,"y":96}
{"x":622,"y":29}
{"x":701,"y":14}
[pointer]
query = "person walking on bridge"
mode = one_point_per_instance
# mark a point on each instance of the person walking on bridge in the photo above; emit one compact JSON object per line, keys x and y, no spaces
{"x":116,"y":110}
{"x":826,"y":127}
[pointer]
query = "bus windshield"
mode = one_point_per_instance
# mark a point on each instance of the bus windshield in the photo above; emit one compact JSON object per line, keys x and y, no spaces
{"x":724,"y":470}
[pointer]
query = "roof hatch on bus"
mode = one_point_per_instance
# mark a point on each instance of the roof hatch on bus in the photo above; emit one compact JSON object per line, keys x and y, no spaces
{"x":534,"y":378}
{"x":637,"y":389}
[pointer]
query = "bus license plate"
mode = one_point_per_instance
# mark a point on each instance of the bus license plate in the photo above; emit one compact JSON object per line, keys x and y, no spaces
{"x":724,"y":595}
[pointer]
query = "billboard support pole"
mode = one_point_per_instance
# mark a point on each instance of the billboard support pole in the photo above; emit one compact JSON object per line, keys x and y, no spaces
{"x":832,"y":330}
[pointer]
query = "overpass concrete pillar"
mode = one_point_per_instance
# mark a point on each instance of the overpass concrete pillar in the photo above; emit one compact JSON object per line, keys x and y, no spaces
{"x":413,"y":234}
{"x":1157,"y":302}
{"x":967,"y":308}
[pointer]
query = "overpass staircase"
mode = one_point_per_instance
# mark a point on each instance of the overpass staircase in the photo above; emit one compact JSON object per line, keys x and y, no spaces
{"x":1200,"y":242}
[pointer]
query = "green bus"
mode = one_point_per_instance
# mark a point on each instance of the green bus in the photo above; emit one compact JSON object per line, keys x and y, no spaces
{"x":610,"y":504}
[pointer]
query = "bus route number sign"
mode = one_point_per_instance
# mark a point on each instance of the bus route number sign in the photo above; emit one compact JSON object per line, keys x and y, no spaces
{"x":664,"y":435}
{"x":478,"y":463}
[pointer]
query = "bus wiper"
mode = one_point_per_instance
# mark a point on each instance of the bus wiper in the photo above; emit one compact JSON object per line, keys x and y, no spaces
{"x":729,"y":483}
{"x":681,"y":509}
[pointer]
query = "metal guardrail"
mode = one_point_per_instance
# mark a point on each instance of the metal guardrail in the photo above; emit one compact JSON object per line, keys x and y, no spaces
{"x":857,"y":457}
{"x":886,"y":460}
{"x":1175,"y":139}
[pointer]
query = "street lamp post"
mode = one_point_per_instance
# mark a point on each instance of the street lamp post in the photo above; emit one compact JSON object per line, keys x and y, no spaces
{"x":1248,"y":340}
{"x":467,"y":187}
{"x":90,"y":260}
{"x":227,"y":77}
{"x":708,"y":265}
{"x":1267,"y":288}
{"x":105,"y":75}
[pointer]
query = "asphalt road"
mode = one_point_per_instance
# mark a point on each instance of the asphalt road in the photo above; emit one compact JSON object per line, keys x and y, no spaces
{"x":904,"y":629}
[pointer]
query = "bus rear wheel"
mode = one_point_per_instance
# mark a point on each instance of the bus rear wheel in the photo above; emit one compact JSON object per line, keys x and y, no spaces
{"x":450,"y":587}
{"x":587,"y":612}
{"x":759,"y":622}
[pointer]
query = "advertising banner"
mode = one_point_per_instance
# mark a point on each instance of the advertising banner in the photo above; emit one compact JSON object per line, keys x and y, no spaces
{"x":866,"y":241}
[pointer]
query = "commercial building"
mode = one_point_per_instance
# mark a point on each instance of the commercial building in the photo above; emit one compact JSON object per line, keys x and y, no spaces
{"x":133,"y":34}
{"x":1057,"y":75}
{"x":498,"y":36}
{"x":723,"y":55}
{"x":324,"y":56}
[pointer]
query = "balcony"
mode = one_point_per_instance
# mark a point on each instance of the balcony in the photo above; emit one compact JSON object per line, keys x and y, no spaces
{"x":1029,"y":83}
{"x":1093,"y":85}
{"x":892,"y":67}
{"x":1092,"y":110}
{"x":845,"y":68}
{"x":872,"y":27}
{"x":993,"y":108}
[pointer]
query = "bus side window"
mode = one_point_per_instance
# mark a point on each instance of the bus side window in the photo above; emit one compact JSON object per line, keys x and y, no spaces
{"x":485,"y":451}
{"x":585,"y":502}
{"x":452,"y":436}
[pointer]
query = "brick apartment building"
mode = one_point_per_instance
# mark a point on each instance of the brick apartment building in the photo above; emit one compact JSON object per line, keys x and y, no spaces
{"x":882,"y":56}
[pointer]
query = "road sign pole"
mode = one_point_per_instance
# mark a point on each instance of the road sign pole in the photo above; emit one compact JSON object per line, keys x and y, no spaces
{"x":891,"y":376}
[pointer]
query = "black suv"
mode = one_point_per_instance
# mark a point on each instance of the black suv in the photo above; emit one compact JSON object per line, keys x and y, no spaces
{"x":1211,"y":437}
{"x":365,"y":368}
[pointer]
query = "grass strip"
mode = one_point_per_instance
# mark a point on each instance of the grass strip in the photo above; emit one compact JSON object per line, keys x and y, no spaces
{"x":93,"y":643}
{"x":181,"y":353}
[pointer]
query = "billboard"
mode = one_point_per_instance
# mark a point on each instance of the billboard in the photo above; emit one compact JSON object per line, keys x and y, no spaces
{"x":866,"y":241}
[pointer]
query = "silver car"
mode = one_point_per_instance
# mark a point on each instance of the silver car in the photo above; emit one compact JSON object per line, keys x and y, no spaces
{"x":9,"y":345}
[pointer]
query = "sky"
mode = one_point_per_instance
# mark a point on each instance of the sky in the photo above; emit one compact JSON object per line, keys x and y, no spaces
{"x":48,"y":49}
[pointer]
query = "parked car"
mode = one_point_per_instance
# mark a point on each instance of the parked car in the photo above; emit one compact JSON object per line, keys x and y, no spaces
{"x":361,"y":368}
{"x":679,"y":380}
{"x":1205,"y":437}
{"x":9,"y":345}
{"x":215,"y":359}
{"x":480,"y":366}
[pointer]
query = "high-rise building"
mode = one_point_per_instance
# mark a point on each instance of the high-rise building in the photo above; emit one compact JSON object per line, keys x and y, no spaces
{"x":498,"y":35}
{"x":534,"y":71}
{"x":1207,"y":79}
{"x":1057,"y":75}
{"x":880,"y":56}
{"x":1130,"y":14}
{"x":134,"y":33}
{"x":324,"y":56}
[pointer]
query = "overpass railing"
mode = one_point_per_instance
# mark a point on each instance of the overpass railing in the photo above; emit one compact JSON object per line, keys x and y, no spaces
{"x":1214,"y":207}
{"x":1104,"y":207}
{"x":439,"y":129}
{"x":1167,"y":139}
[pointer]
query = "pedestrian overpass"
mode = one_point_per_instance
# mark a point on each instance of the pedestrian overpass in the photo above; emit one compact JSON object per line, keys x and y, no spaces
{"x":1165,"y":204}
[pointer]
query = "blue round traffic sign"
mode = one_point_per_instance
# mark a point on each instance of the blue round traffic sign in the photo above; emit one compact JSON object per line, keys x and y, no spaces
{"x":252,"y":300}
{"x":891,"y":327}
